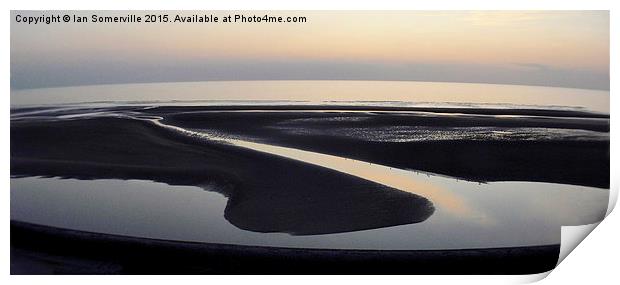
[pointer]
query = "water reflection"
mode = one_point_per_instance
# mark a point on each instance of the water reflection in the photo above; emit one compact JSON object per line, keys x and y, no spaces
{"x":392,"y":177}
{"x":545,"y":205}
{"x":443,"y":192}
{"x":399,"y":93}
{"x":517,"y":214}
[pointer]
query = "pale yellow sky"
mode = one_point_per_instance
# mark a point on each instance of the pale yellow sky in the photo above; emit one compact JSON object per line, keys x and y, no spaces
{"x":569,"y":43}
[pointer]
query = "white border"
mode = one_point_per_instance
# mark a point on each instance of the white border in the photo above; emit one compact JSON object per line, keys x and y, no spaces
{"x":594,"y":260}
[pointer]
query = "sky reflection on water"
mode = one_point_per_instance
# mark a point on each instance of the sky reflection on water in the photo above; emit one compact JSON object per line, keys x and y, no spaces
{"x":468,"y":214}
{"x":399,"y":93}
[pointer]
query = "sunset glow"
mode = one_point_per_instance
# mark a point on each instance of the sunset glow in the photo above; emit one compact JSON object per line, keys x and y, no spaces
{"x":571,"y":48}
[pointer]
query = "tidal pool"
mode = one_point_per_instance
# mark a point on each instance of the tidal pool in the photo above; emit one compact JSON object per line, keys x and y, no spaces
{"x":467,"y":214}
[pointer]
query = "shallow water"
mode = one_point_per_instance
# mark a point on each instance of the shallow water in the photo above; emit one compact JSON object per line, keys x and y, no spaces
{"x":387,"y":93}
{"x":467,"y":215}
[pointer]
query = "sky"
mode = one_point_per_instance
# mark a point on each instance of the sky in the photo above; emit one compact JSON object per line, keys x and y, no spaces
{"x":546,"y":48}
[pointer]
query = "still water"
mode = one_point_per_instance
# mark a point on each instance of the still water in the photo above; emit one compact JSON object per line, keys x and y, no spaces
{"x":400,"y":93}
{"x":467,"y":214}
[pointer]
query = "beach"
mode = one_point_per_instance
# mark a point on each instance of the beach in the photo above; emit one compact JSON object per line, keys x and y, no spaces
{"x":273,"y":193}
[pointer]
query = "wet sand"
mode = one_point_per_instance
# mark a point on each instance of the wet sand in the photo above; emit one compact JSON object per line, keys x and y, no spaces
{"x":269,"y":193}
{"x":577,"y":161}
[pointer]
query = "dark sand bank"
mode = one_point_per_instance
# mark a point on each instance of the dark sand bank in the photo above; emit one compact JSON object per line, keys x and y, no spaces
{"x":555,"y":150}
{"x":266,"y":193}
{"x":75,"y":252}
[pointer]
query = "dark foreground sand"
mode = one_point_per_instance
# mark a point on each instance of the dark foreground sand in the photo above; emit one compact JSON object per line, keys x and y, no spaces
{"x":74,"y":252}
